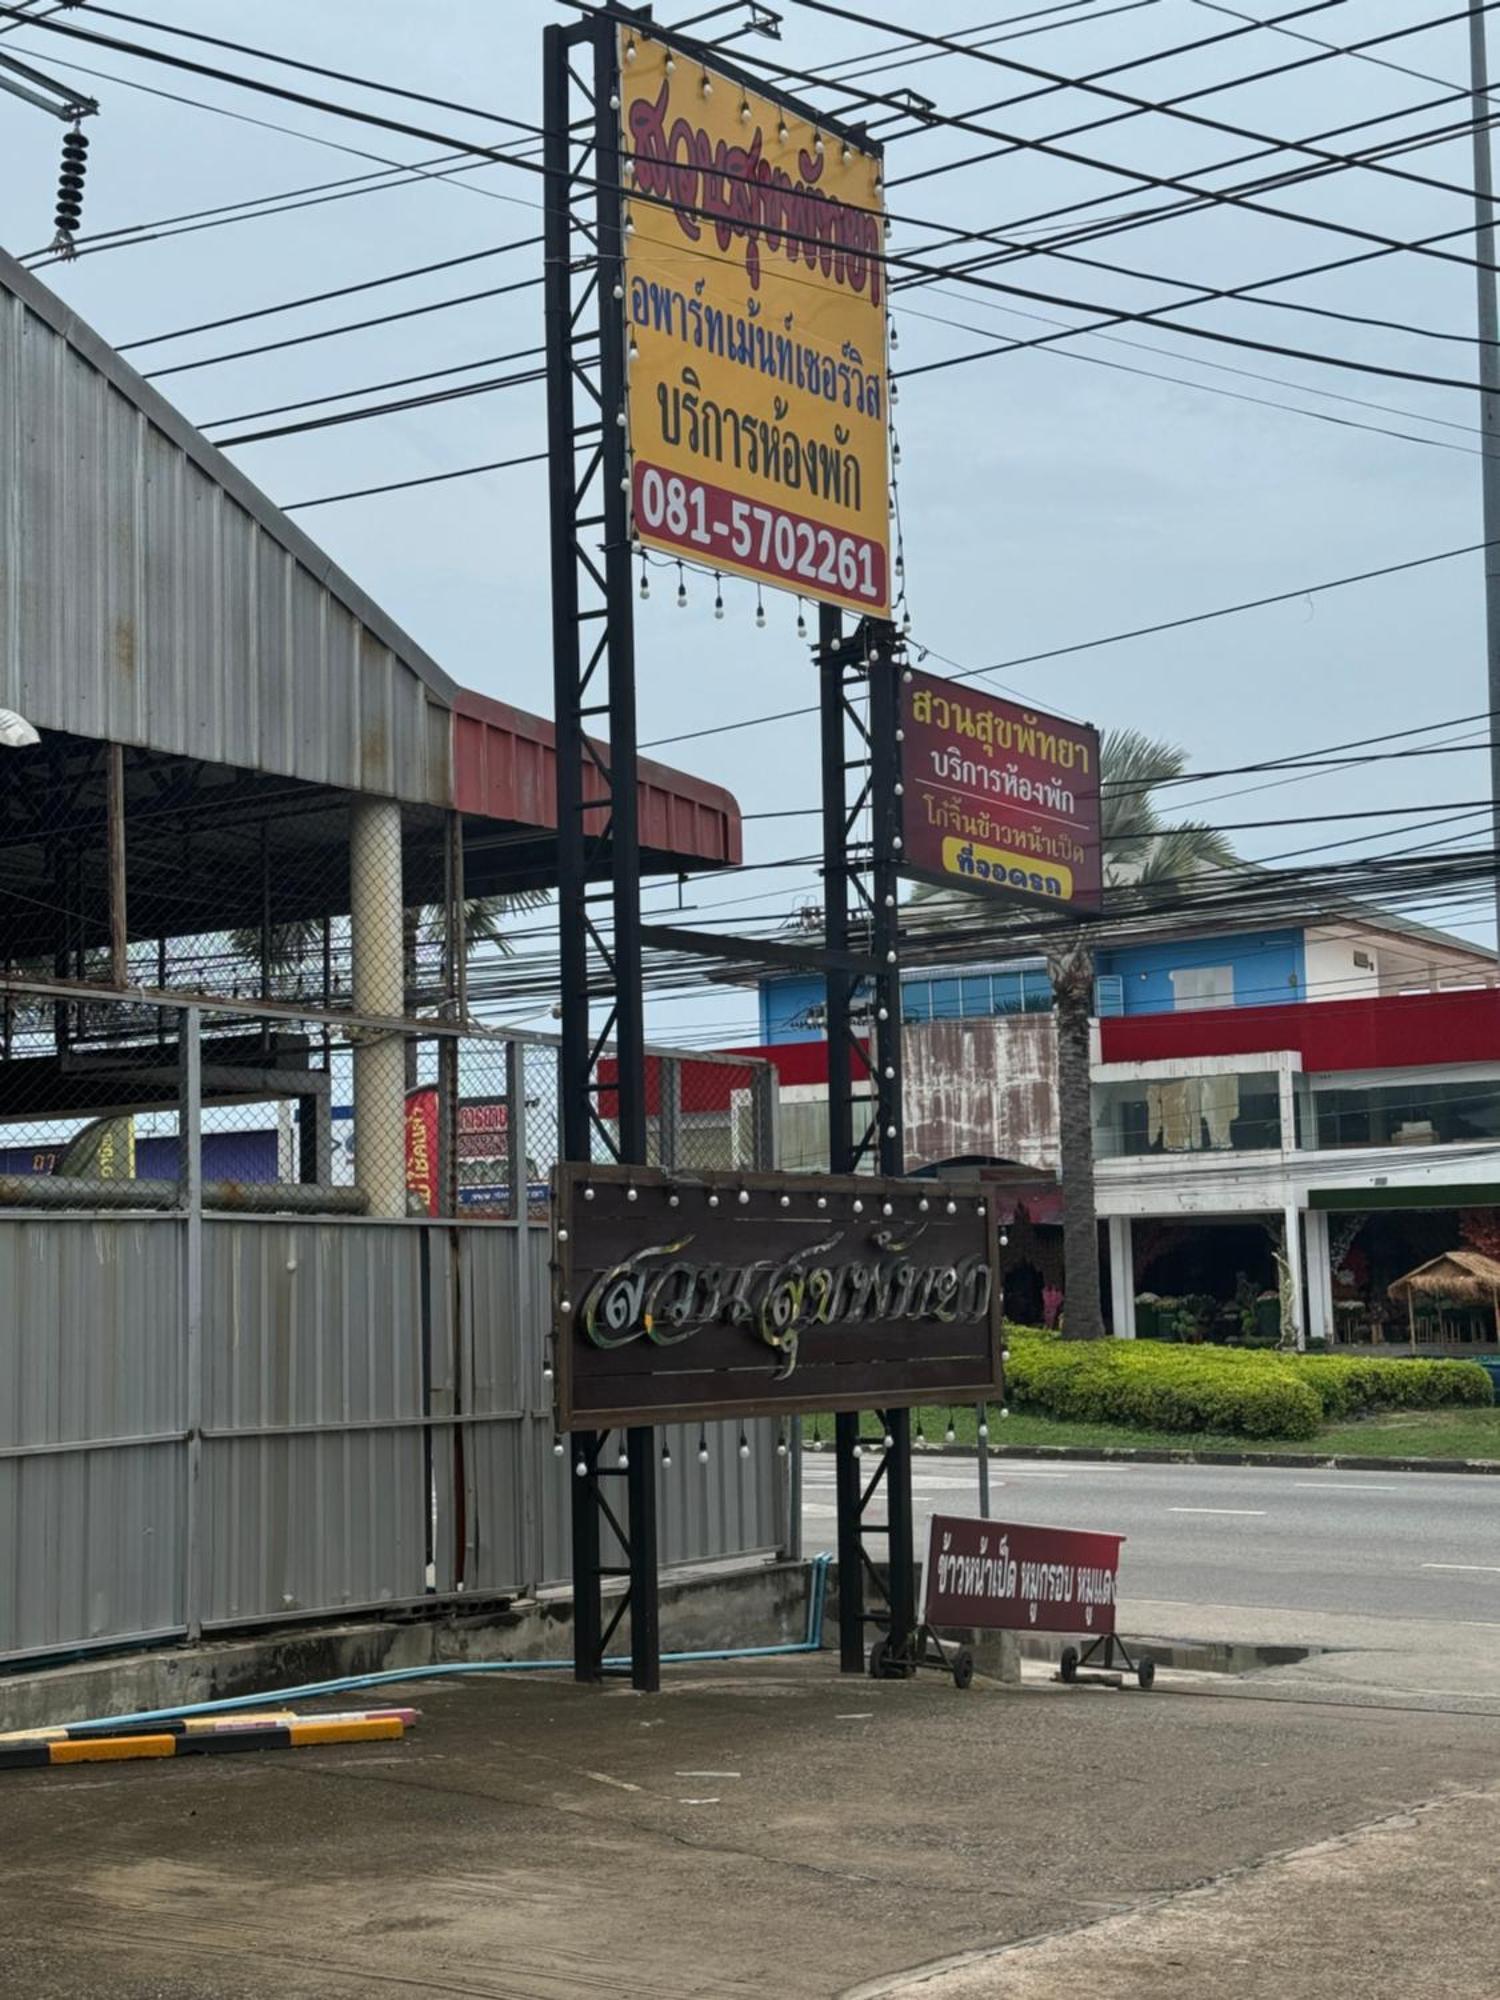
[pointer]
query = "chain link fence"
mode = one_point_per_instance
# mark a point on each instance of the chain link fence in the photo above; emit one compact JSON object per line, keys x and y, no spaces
{"x":97,"y":1091}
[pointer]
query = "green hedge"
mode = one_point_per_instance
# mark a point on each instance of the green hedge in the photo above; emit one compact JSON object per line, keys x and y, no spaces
{"x":1242,"y":1391}
{"x":1348,"y":1385}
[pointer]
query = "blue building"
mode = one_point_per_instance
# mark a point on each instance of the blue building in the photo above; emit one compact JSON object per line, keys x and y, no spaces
{"x":1361,"y":957}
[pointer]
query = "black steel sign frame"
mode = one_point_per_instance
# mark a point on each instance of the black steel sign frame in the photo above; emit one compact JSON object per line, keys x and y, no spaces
{"x":594,"y":675}
{"x":678,"y":1298}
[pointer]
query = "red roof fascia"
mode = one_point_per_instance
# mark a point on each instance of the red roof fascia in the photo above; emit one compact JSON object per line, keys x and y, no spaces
{"x":1396,"y":1031}
{"x":709,"y":1086}
{"x":505,"y":768}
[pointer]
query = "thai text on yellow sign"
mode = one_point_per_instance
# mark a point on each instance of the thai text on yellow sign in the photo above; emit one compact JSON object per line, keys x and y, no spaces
{"x":755,"y":301}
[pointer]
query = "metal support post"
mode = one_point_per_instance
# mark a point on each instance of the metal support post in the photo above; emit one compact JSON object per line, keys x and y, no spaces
{"x":885,"y":666}
{"x":119,"y":932}
{"x":668,"y":1113}
{"x":590,"y":523}
{"x":861,"y":885}
{"x":1489,"y":384}
{"x":190,"y":1173}
{"x":840,"y":1098}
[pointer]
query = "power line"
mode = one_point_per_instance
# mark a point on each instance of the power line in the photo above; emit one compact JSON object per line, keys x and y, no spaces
{"x":1135,"y":104}
{"x":349,"y":326}
{"x":427,"y":479}
{"x":379,"y":121}
{"x":1113,"y":638}
{"x":908,"y":263}
{"x":372,"y":388}
{"x":1059,"y":353}
{"x":338,"y":292}
{"x":256,"y":207}
{"x":460,"y":393}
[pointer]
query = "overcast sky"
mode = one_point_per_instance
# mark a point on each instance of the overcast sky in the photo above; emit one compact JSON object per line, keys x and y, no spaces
{"x":1048,"y":497}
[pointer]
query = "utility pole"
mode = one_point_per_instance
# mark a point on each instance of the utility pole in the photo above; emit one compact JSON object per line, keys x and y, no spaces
{"x":1489,"y":392}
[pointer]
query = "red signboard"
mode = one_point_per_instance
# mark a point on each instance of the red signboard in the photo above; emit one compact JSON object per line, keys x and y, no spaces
{"x":997,"y":1576}
{"x":483,"y":1131}
{"x":997,"y":797}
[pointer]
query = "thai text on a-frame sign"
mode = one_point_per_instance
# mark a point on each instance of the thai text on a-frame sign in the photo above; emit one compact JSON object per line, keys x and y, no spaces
{"x":999,"y":1576}
{"x":755,"y":300}
{"x":996,"y":797}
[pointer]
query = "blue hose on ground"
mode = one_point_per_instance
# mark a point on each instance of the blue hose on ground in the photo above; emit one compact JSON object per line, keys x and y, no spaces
{"x":389,"y":1677}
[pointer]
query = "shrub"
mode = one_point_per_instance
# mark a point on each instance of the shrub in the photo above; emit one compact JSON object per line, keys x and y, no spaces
{"x":1245,"y":1391}
{"x":1161,"y":1388}
{"x":1347,"y":1384}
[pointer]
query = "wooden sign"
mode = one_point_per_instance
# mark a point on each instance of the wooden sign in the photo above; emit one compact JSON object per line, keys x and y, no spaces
{"x":686,"y":1296}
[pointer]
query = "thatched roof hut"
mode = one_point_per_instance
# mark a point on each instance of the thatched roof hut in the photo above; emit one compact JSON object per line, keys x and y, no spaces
{"x":1458,"y":1277}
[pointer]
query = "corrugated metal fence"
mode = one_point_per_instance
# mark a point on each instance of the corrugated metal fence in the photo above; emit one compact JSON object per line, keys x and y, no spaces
{"x":209,"y":1421}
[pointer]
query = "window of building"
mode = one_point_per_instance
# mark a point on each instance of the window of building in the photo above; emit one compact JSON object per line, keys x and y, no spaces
{"x":977,"y":995}
{"x":1409,"y":1114}
{"x":1195,"y":986}
{"x":1195,"y":1114}
{"x":1109,"y":994}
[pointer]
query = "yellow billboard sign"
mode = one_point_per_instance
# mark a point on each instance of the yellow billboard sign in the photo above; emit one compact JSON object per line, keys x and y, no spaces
{"x":755,"y":302}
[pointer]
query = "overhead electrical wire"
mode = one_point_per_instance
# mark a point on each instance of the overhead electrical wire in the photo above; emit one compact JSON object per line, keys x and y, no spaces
{"x":371,"y":388}
{"x":427,"y":479}
{"x":1060,"y":353}
{"x":461,"y":392}
{"x":349,"y":326}
{"x":254,"y":208}
{"x":378,"y":120}
{"x":1114,"y":638}
{"x":968,"y":278}
{"x":338,"y":292}
{"x":1165,"y":108}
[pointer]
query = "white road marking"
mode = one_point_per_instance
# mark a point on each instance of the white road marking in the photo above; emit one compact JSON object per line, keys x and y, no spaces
{"x":708,"y":1774}
{"x":862,"y":1715}
{"x":1489,"y":1569}
{"x":698,"y":1802}
{"x":603,"y":1778}
{"x":1338,"y":1486}
{"x":1216,"y":1510}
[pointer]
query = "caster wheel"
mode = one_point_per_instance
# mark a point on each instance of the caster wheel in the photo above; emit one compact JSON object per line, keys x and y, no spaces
{"x":1067,"y":1666}
{"x":1145,"y":1673}
{"x":963,"y":1667}
{"x":877,"y":1660}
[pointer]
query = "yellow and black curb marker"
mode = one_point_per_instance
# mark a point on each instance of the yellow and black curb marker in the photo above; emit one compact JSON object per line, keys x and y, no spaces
{"x":176,"y":1740}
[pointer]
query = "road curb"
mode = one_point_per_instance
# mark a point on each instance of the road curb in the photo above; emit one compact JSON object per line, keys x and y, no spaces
{"x":1196,"y":1656}
{"x":1302,"y":1461}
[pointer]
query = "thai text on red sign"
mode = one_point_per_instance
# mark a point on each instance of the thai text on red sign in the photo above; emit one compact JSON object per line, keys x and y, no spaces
{"x":998,"y":1576}
{"x":998,"y":798}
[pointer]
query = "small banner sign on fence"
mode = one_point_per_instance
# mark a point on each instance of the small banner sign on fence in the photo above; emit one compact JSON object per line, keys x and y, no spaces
{"x":998,"y":1576}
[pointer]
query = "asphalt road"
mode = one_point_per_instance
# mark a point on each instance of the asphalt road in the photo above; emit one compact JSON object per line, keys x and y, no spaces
{"x":1399,"y":1545}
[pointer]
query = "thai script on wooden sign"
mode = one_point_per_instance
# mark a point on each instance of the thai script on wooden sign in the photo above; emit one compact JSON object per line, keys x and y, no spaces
{"x":721,"y":1293}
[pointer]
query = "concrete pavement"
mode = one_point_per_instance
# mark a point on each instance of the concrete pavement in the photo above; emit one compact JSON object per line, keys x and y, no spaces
{"x":771,"y":1828}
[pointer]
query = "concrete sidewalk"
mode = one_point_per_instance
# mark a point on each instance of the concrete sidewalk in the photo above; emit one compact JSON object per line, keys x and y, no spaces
{"x":765,"y":1829}
{"x":1403,"y":1905}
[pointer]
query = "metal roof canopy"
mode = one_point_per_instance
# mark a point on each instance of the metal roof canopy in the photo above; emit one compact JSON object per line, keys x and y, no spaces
{"x":152,"y":596}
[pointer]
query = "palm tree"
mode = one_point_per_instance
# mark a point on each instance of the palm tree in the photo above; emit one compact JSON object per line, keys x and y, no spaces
{"x":1138,"y":851}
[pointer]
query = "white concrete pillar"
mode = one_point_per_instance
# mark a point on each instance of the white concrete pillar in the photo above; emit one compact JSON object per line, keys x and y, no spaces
{"x":378,"y":981}
{"x":1122,"y":1276}
{"x":1319,"y":1276}
{"x":1291,"y":1218}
